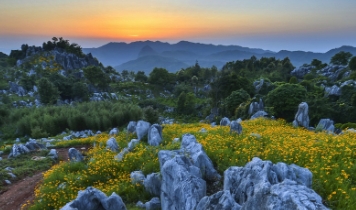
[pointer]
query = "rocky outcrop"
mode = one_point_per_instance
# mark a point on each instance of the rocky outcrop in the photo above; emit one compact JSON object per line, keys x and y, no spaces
{"x":302,"y":117}
{"x":263,"y":185}
{"x":302,"y":71}
{"x":70,"y":61}
{"x":153,"y":204}
{"x":331,"y":71}
{"x":225,"y":121}
{"x":74,"y":155}
{"x":326,"y":124}
{"x":259,"y":114}
{"x":221,"y":200}
{"x":332,"y":91}
{"x":17,"y":89}
{"x":131,"y":127}
{"x":153,"y":184}
{"x":114,"y":131}
{"x":112,"y":144}
{"x":155,"y":135}
{"x":235,"y":127}
{"x":142,"y":129}
{"x":93,"y":199}
{"x":255,"y":107}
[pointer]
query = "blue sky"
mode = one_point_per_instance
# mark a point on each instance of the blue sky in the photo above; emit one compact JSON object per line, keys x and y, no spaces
{"x":317,"y":25}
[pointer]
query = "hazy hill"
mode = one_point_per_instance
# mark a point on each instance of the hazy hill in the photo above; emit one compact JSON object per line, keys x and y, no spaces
{"x":135,"y":56}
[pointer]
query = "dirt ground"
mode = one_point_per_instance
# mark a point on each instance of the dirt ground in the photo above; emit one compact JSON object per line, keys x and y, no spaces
{"x":22,"y":191}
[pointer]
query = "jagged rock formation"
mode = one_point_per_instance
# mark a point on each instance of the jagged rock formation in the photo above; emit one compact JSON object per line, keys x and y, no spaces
{"x":94,"y":199}
{"x":259,"y":114}
{"x":302,"y":71}
{"x":74,"y":155}
{"x":302,"y":117}
{"x":153,"y":204}
{"x":326,"y":124}
{"x":19,"y":149}
{"x":131,"y":127}
{"x":221,"y":200}
{"x":255,"y":107}
{"x":225,"y":121}
{"x":155,"y":135}
{"x":263,"y":185}
{"x":112,"y":144}
{"x":332,"y":71}
{"x":235,"y":127}
{"x":142,"y":129}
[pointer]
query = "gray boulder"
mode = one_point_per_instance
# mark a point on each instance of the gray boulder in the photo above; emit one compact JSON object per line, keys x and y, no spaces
{"x":302,"y":117}
{"x":142,"y":129}
{"x":94,"y":199}
{"x":137,"y":177}
{"x":155,"y":135}
{"x":302,"y":71}
{"x":332,"y":91}
{"x":153,"y":204}
{"x":331,"y":71}
{"x":131,"y":127}
{"x":199,"y":158}
{"x":326,"y":124}
{"x":182,"y":188}
{"x":263,"y":185}
{"x":53,"y":154}
{"x":221,"y":200}
{"x":255,"y":107}
{"x":17,"y":150}
{"x":112,"y":144}
{"x":259,"y":114}
{"x":121,"y":155}
{"x":114,"y":131}
{"x":235,"y":127}
{"x":74,"y":155}
{"x":224,"y":121}
{"x":132,"y":144}
{"x":153,"y":183}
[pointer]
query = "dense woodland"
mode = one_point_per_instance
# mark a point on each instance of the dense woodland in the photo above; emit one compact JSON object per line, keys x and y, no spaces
{"x":188,"y":95}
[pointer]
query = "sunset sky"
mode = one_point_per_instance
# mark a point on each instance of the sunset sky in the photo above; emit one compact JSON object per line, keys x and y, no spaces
{"x":310,"y":25}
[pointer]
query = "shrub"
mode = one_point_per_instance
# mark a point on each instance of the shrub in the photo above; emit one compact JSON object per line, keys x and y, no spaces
{"x":150,"y":115}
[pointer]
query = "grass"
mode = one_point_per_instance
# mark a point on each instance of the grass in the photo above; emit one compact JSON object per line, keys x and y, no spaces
{"x":331,"y":159}
{"x":23,"y":166}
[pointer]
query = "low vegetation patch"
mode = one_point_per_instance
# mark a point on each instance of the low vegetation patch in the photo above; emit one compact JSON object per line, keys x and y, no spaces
{"x":331,"y":159}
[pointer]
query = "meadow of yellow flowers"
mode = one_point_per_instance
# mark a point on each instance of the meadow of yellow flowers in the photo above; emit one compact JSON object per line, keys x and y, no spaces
{"x":331,"y":158}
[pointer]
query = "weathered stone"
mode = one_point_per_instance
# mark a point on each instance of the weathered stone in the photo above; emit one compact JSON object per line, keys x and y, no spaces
{"x":142,"y":129}
{"x":155,"y":135}
{"x":301,"y":71}
{"x":331,"y":71}
{"x":131,"y":127}
{"x":112,"y":144}
{"x":66,"y":138}
{"x":132,"y":144}
{"x":121,"y":155}
{"x":74,"y":155}
{"x":263,"y":185}
{"x":18,"y":150}
{"x":7,"y":182}
{"x":255,"y":107}
{"x":221,"y":200}
{"x":235,"y":127}
{"x":153,"y":183}
{"x":225,"y":121}
{"x":326,"y":124}
{"x":259,"y":114}
{"x":332,"y":91}
{"x":114,"y":131}
{"x":53,"y":154}
{"x":94,"y":199}
{"x":302,"y":117}
{"x":198,"y":157}
{"x":180,"y":188}
{"x":203,"y":130}
{"x":137,"y":177}
{"x":153,"y":204}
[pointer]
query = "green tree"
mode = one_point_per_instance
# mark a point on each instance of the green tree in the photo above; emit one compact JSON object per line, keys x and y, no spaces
{"x":141,"y":77}
{"x":186,"y":104}
{"x":293,"y":80}
{"x":236,"y":98}
{"x":97,"y":77}
{"x":285,"y":100}
{"x":47,"y":91}
{"x":341,"y":58}
{"x":161,"y":77}
{"x":352,"y":63}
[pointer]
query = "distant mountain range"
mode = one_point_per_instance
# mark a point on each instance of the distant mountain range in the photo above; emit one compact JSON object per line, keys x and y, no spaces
{"x":145,"y":55}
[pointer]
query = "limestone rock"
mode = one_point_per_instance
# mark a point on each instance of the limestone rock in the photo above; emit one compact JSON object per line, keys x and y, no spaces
{"x":221,"y":200}
{"x":225,"y":121}
{"x":53,"y":154}
{"x":142,"y":129}
{"x":121,"y":155}
{"x":18,"y":149}
{"x":326,"y":124}
{"x":199,"y":158}
{"x":74,"y":155}
{"x":131,"y":127}
{"x":332,"y":91}
{"x":153,"y":183}
{"x":137,"y":177}
{"x":112,"y":144}
{"x":235,"y":127}
{"x":153,"y":204}
{"x":263,"y":185}
{"x":114,"y":131}
{"x":181,"y":189}
{"x":132,"y":144}
{"x":255,"y":107}
{"x":302,"y":117}
{"x":155,"y":135}
{"x":259,"y":114}
{"x":94,"y":199}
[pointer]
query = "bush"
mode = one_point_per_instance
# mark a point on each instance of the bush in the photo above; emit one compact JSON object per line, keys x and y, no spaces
{"x":150,"y":115}
{"x":285,"y":100}
{"x":235,"y":99}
